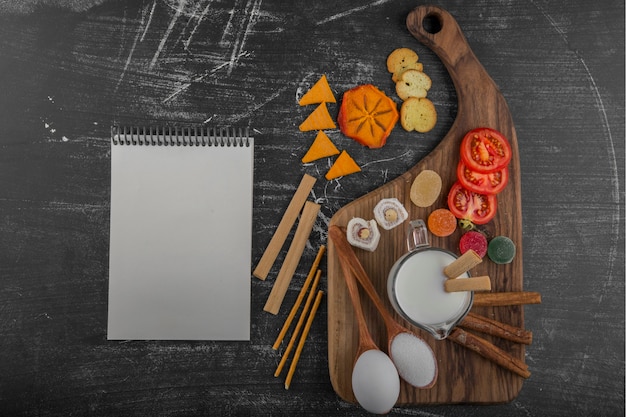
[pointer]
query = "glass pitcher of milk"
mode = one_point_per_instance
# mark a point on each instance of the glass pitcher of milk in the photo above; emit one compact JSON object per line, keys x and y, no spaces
{"x":416,"y":286}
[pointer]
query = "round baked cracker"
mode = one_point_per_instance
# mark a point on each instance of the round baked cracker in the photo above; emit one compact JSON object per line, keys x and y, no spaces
{"x":401,"y":60}
{"x":413,"y":83}
{"x":418,"y":114}
{"x":397,"y":76}
{"x":401,"y":57}
{"x":426,"y":188}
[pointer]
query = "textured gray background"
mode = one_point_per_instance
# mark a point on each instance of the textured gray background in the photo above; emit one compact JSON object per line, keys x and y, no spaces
{"x":67,"y":75}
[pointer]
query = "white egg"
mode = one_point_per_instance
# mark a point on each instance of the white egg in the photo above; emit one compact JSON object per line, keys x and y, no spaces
{"x":375,"y":382}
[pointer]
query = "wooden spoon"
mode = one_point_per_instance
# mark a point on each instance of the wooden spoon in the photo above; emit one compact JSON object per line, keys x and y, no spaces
{"x":375,"y":379}
{"x":351,"y":267}
{"x":366,"y":342}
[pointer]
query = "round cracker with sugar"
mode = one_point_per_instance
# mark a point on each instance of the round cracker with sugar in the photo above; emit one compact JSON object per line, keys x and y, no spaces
{"x":418,"y":114}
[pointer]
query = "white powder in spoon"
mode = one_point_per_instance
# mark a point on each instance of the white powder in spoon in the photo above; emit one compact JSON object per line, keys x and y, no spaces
{"x":414,"y":360}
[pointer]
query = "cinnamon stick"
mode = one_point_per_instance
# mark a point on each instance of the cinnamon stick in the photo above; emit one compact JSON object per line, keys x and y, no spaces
{"x":496,"y":328}
{"x":506,"y":298}
{"x":489,"y":351}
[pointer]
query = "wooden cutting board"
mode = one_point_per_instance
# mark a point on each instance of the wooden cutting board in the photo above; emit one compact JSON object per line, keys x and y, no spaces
{"x":464,"y":376}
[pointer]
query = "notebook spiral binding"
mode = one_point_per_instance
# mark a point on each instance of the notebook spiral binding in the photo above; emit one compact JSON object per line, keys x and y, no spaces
{"x":180,"y":136}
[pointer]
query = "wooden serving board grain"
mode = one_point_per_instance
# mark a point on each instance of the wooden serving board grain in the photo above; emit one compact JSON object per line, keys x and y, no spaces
{"x":464,"y":376}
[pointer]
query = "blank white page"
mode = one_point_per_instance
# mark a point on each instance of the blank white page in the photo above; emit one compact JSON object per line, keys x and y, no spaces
{"x":180,"y":248}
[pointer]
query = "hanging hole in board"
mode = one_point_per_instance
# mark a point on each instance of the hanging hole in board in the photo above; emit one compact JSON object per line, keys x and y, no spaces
{"x":432,"y":23}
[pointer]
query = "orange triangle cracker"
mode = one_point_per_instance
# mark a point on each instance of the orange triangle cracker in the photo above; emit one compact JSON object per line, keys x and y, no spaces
{"x":319,"y":93}
{"x":318,"y":120}
{"x":321,"y":147}
{"x":344,"y":165}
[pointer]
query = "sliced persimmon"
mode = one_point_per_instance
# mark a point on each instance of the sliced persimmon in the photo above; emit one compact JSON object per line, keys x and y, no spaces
{"x":367,"y":115}
{"x":319,"y":119}
{"x":343,"y":165}
{"x":319,"y":93}
{"x":321,"y":147}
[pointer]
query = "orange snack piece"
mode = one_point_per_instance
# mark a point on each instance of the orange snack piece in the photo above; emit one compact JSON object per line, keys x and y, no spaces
{"x":367,"y":115}
{"x":318,"y":120}
{"x":441,"y":222}
{"x":319,"y":93}
{"x":344,"y":165}
{"x":321,"y":147}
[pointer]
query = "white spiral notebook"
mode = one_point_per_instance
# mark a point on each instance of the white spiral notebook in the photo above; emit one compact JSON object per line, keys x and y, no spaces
{"x":181,"y":230}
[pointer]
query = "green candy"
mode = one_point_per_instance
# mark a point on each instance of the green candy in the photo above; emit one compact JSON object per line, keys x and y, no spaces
{"x":501,"y":250}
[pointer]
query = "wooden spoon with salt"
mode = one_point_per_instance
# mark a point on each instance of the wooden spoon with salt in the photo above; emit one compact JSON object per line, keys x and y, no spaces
{"x":375,"y":380}
{"x":412,"y":356}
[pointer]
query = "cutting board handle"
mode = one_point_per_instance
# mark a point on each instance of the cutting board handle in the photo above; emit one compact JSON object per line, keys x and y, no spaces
{"x":438,"y":30}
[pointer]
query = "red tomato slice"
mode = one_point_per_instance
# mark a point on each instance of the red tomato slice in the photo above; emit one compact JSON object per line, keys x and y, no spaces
{"x":468,"y":205}
{"x":485,"y":150}
{"x":481,"y":183}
